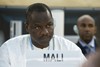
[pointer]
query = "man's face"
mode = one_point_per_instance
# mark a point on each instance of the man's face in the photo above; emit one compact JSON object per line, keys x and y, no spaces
{"x":86,"y":29}
{"x":41,"y":28}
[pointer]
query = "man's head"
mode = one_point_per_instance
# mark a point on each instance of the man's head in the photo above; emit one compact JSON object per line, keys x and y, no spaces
{"x":86,"y":27}
{"x":39,"y":24}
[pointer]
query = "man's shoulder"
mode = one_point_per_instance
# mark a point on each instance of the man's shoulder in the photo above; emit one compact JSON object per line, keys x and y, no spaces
{"x":78,"y":43}
{"x":18,"y":38}
{"x":63,"y":39}
{"x":66,"y":44}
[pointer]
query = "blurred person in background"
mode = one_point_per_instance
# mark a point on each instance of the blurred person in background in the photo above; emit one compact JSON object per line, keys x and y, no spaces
{"x":94,"y":59}
{"x":86,"y":30}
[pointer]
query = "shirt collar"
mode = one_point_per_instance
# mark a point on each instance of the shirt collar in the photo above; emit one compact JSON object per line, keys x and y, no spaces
{"x":91,"y":43}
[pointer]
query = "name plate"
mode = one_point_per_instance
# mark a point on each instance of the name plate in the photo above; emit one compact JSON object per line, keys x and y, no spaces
{"x":53,"y":58}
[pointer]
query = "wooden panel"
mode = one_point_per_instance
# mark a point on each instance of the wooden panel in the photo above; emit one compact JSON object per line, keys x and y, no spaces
{"x":54,"y":3}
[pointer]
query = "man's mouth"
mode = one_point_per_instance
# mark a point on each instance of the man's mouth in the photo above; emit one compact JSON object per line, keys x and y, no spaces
{"x":44,"y":39}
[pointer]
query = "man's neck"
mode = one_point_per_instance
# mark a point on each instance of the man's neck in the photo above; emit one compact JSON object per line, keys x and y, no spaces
{"x":41,"y":46}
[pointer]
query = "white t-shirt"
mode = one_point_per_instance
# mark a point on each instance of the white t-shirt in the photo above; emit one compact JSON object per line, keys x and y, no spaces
{"x":12,"y":52}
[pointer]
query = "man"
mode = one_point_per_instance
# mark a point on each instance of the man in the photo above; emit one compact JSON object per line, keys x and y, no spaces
{"x":94,"y":59}
{"x":40,"y":26}
{"x":86,"y":30}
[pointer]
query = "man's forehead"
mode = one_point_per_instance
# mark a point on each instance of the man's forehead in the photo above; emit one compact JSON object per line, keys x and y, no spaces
{"x":42,"y":22}
{"x":40,"y":16}
{"x":86,"y":21}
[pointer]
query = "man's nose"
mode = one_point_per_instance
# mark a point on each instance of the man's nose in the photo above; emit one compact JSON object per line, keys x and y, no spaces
{"x":44,"y":31}
{"x":87,"y":28}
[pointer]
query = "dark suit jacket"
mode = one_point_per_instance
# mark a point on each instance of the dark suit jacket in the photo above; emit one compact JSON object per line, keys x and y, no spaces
{"x":82,"y":48}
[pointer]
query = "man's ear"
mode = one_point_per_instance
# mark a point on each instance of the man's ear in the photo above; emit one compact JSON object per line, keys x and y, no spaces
{"x":75,"y":28}
{"x":26,"y":26}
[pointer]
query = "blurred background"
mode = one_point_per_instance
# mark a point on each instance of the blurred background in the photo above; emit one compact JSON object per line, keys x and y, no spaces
{"x":65,"y":13}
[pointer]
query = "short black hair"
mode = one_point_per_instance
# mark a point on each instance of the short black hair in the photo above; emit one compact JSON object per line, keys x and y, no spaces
{"x":37,"y":7}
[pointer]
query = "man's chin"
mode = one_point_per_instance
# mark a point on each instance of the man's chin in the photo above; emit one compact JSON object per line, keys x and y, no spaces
{"x":44,"y":44}
{"x":44,"y":41}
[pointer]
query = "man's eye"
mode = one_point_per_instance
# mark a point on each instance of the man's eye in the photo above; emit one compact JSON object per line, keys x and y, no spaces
{"x":49,"y":25}
{"x":36,"y":27}
{"x":90,"y":25}
{"x":83,"y":25}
